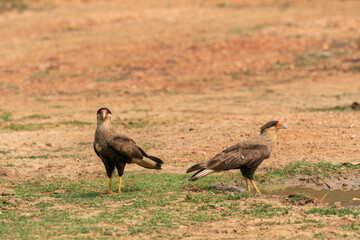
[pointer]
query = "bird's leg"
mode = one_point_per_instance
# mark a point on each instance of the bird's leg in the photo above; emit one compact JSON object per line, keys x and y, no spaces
{"x":256,"y":189}
{"x":247,"y":184}
{"x":110,"y":185}
{"x":120,"y":184}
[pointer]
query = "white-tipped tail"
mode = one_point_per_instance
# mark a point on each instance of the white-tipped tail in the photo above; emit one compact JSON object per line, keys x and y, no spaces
{"x":147,"y":163}
{"x":200,"y":174}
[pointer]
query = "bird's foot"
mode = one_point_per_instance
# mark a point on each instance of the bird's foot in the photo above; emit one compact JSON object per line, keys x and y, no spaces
{"x":256,"y":189}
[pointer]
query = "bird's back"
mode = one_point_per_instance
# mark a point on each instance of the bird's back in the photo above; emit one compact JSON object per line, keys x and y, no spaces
{"x":245,"y":153}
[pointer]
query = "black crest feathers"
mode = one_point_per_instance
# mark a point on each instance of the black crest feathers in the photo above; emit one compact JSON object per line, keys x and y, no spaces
{"x":268,"y":125}
{"x":104,"y":108}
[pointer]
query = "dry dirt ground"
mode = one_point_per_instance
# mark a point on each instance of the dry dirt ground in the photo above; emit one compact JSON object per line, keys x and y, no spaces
{"x":184,"y":79}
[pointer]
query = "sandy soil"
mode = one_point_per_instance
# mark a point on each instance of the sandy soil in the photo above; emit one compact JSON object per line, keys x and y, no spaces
{"x":200,"y":75}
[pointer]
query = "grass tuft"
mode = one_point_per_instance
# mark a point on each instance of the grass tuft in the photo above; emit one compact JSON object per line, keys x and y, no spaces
{"x":46,"y":156}
{"x":27,"y":126}
{"x":33,"y":116}
{"x":292,"y":169}
{"x":333,"y":109}
{"x":75,"y":123}
{"x":11,"y":5}
{"x":334,"y":211}
{"x":6,"y":116}
{"x":263,"y":209}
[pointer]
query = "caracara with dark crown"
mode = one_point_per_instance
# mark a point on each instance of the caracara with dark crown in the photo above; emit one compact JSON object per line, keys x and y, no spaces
{"x":246,"y":155}
{"x":117,"y":150}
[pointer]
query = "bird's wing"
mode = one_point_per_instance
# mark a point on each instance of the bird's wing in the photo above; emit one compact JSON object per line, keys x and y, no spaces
{"x":126,"y":147}
{"x":237,"y":156}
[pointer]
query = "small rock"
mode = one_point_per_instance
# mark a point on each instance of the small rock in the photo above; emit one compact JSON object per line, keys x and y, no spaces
{"x":355,"y":106}
{"x":337,"y":203}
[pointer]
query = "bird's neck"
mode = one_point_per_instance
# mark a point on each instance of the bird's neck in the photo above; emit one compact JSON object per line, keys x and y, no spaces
{"x":104,"y":125}
{"x":269,"y":136}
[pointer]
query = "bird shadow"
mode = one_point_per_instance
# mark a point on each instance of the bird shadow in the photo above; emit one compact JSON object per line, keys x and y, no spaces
{"x":125,"y":190}
{"x":106,"y":194}
{"x":216,"y":188}
{"x":226,"y":189}
{"x":91,"y":195}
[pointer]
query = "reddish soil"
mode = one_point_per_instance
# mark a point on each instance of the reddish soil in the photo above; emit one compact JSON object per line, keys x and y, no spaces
{"x":199,"y":75}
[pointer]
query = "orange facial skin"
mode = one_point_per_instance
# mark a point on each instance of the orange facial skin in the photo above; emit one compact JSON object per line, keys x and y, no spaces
{"x":279,"y":125}
{"x":104,"y":113}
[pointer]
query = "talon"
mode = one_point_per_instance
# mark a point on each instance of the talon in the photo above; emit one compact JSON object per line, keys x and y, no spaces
{"x":254,"y":185}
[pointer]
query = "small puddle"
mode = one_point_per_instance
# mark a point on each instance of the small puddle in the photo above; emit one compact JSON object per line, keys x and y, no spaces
{"x":332,"y":197}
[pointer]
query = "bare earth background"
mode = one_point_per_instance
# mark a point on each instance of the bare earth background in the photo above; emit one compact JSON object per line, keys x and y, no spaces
{"x":184,"y":79}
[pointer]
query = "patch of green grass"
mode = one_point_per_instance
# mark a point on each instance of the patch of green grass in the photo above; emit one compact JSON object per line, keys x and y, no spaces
{"x":352,"y":226}
{"x":235,"y":76}
{"x":70,"y":155}
{"x":4,"y":152}
{"x":112,"y":79}
{"x":302,"y":168}
{"x":71,"y":28}
{"x":6,"y":116}
{"x":230,"y":5}
{"x":355,"y":68}
{"x":33,"y":116}
{"x":320,"y":236}
{"x":135,"y":110}
{"x":85,"y":143}
{"x":263,"y":209}
{"x":58,"y":106}
{"x":11,"y":5}
{"x":39,"y":99}
{"x":282,"y":66}
{"x":333,"y":109}
{"x":46,"y":156}
{"x":307,"y":59}
{"x":334,"y":211}
{"x":76,"y":123}
{"x":42,"y":75}
{"x":28,"y":126}
{"x":149,"y":204}
{"x":241,"y":32}
{"x":297,"y":197}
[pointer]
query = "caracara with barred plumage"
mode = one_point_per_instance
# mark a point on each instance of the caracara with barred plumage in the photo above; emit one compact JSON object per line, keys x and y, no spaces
{"x":246,"y":155}
{"x":117,"y":150}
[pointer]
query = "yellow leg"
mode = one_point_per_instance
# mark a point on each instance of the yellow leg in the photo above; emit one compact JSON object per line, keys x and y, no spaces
{"x":120,"y":184}
{"x":110,"y":185}
{"x":247,"y":184}
{"x":256,"y":189}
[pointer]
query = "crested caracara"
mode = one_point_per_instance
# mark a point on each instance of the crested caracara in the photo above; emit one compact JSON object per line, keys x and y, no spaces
{"x":246,"y":155}
{"x":116,"y":150}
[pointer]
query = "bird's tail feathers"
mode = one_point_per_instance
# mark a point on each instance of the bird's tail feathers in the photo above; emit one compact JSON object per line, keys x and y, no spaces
{"x":196,"y":167}
{"x":149,"y":162}
{"x":201,"y":173}
{"x":158,"y":160}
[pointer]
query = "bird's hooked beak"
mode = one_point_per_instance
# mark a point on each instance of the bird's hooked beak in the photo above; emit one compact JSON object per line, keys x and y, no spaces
{"x":280,"y":125}
{"x":103,"y":115}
